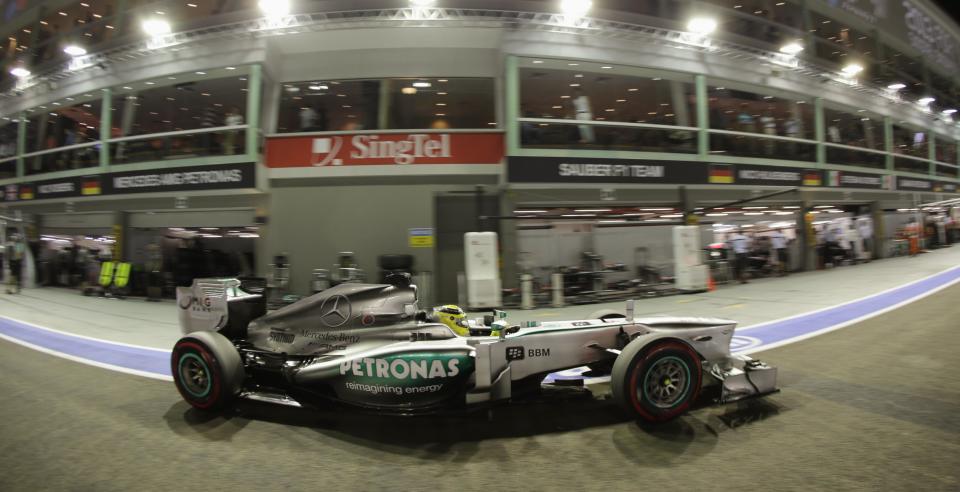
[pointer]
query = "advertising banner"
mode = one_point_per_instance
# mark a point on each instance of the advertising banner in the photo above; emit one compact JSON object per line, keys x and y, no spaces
{"x":386,"y":149}
{"x":194,"y":178}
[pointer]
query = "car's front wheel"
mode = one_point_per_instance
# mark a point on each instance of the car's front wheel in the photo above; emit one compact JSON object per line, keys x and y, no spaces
{"x":207,"y":370}
{"x":656,"y":382}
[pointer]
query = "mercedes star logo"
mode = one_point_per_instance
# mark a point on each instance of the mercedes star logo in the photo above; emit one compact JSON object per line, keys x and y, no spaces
{"x":335,"y":311}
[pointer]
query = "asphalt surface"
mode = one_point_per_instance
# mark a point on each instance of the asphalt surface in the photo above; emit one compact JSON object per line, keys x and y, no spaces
{"x":869,"y":407}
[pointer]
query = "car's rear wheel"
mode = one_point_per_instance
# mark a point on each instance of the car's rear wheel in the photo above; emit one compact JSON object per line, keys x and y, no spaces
{"x":656,"y":382}
{"x":207,"y":370}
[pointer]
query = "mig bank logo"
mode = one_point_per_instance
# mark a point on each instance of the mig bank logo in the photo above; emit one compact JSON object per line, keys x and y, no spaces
{"x":324,"y":151}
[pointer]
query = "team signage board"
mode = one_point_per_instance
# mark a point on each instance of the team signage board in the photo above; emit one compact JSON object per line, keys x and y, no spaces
{"x":194,"y":178}
{"x":576,"y":170}
{"x":633,"y":171}
{"x":385,"y":149}
{"x":847,"y":179}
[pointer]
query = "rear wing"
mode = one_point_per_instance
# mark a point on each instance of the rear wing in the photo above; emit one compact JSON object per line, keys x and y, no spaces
{"x":206,"y":305}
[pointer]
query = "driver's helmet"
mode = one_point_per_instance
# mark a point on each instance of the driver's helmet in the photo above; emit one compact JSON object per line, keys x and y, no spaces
{"x":454,"y":317}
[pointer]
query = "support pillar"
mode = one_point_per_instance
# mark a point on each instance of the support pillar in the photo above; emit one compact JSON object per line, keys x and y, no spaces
{"x":703,"y":116}
{"x":819,"y":128}
{"x":508,"y":242}
{"x":106,"y":125}
{"x":254,"y":87}
{"x":21,"y":142}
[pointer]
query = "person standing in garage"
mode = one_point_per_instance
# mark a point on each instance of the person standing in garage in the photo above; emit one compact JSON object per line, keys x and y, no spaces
{"x":740,"y":244}
{"x":15,"y":249}
{"x":778,"y":242}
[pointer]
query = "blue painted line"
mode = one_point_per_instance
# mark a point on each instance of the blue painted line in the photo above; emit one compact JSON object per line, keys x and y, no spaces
{"x":139,"y":359}
{"x":751,"y":338}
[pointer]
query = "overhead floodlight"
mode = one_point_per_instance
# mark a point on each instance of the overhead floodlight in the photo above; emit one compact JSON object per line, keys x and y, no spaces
{"x":423,"y":3}
{"x":274,"y":8}
{"x":155,"y":27}
{"x":421,"y":84}
{"x":852,"y":69}
{"x":19,"y":72}
{"x":702,"y":25}
{"x":575,"y":8}
{"x":791,"y":48}
{"x":897,"y":86}
{"x":949,"y":111}
{"x":923,"y":101}
{"x":74,"y":50}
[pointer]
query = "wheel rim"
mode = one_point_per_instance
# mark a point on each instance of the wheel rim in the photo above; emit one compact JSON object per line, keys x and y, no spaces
{"x":666,"y":382}
{"x":195,"y":376}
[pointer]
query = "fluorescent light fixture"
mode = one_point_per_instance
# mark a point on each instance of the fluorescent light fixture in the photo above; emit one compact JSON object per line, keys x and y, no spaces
{"x":409,"y":90}
{"x":717,"y":215}
{"x":923,"y":101}
{"x":74,"y":50}
{"x":578,"y":215}
{"x":656,"y":209}
{"x":529,"y":211}
{"x":421,"y":84}
{"x":318,"y":87}
{"x":671,"y":216}
{"x":791,"y":48}
{"x":274,"y":8}
{"x":783,"y":213}
{"x":753,"y":213}
{"x":949,"y":111}
{"x":852,"y":69}
{"x":155,"y":27}
{"x":19,"y":72}
{"x":592,"y":210}
{"x":702,"y":25}
{"x":575,"y":8}
{"x":613,"y":221}
{"x":897,"y":86}
{"x":755,"y":208}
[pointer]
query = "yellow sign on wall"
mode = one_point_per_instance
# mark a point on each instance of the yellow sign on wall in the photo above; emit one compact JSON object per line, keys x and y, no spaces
{"x":421,"y":237}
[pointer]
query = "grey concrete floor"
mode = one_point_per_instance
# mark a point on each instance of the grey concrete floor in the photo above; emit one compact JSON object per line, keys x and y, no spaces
{"x":155,"y":324}
{"x":870,"y":407}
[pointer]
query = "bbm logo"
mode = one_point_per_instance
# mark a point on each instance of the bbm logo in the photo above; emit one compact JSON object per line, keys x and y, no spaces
{"x":514,"y":353}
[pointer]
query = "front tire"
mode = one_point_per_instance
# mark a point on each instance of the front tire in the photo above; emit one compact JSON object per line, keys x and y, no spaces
{"x":207,"y":370}
{"x":656,"y":382}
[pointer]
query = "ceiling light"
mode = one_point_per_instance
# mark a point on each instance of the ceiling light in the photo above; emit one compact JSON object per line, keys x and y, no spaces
{"x":230,"y":68}
{"x":200,"y":73}
{"x":318,"y":87}
{"x":19,"y":72}
{"x":537,"y":61}
{"x":852,"y":69}
{"x":575,"y":8}
{"x":897,"y":86}
{"x":421,"y":84}
{"x":949,"y":111}
{"x":923,"y":101}
{"x":791,"y":48}
{"x":409,"y":90}
{"x":274,"y":8}
{"x":423,"y":3}
{"x":74,"y":50}
{"x":702,"y":25}
{"x":592,"y":210}
{"x":155,"y":27}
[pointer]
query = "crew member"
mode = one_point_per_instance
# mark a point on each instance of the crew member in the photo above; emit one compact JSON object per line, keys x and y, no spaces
{"x":740,"y":245}
{"x":778,"y":241}
{"x":14,"y":249}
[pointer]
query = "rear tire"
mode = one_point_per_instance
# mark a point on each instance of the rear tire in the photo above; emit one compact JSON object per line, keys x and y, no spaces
{"x":207,"y":370}
{"x":656,"y":382}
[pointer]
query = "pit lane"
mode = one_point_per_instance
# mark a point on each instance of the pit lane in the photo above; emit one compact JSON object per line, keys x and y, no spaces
{"x":872,"y":406}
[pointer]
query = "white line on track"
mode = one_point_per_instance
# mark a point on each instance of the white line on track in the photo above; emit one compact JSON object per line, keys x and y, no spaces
{"x":98,"y":340}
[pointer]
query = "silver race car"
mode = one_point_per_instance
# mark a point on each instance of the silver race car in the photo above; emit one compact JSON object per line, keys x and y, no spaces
{"x":370,"y":346}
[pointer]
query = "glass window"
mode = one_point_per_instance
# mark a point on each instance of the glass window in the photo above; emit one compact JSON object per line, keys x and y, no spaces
{"x":603,"y":96}
{"x":374,"y":104}
{"x":908,"y":140}
{"x":444,"y":103}
{"x":8,"y":137}
{"x":857,"y":128}
{"x":753,"y":112}
{"x":69,"y":121}
{"x":197,"y":101}
{"x":946,"y":149}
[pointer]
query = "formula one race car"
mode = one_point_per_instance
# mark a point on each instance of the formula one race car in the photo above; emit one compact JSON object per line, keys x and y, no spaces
{"x":369,"y":346}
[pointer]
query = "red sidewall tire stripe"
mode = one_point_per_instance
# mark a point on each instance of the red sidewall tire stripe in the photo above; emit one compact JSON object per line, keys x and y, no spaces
{"x":695,"y":382}
{"x":212,"y":364}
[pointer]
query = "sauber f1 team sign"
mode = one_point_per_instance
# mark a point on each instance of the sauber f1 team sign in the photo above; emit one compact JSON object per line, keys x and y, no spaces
{"x":385,"y":149}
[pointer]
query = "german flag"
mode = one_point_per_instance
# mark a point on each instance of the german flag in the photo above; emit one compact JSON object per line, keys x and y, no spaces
{"x":26,"y":192}
{"x":721,"y":174}
{"x":812,"y":178}
{"x":91,"y":186}
{"x":937,"y":188}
